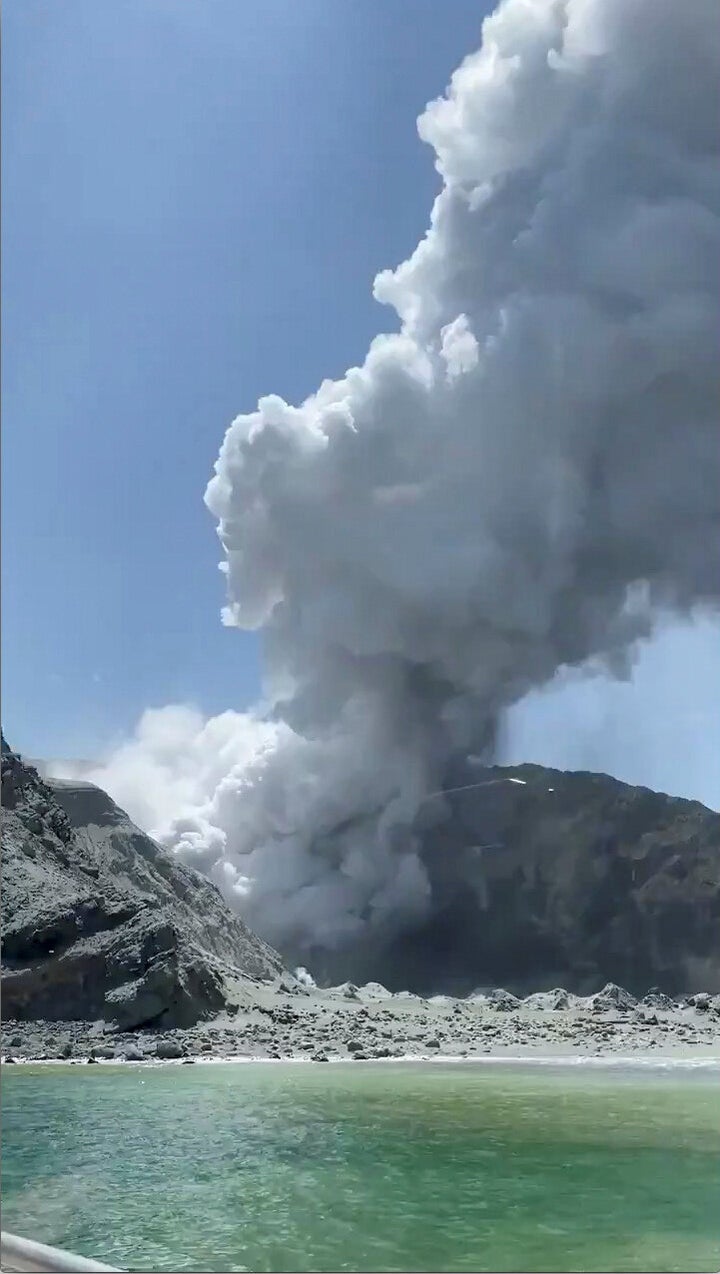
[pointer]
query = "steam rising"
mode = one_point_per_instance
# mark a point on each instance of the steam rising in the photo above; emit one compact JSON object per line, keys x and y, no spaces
{"x":518,"y":480}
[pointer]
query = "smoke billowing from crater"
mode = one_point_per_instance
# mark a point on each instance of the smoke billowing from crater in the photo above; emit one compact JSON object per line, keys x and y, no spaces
{"x":519,"y":479}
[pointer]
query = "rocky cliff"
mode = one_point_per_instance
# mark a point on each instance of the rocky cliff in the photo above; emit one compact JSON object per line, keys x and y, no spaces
{"x":99,"y":921}
{"x":542,"y":878}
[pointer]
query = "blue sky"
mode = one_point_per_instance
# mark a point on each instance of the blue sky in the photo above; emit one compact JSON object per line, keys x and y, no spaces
{"x":197,"y":196}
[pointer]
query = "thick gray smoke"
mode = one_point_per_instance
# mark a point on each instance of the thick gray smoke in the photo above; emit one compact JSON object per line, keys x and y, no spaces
{"x":518,"y":480}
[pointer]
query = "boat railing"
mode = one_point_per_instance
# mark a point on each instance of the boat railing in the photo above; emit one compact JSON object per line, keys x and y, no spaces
{"x":17,"y":1254}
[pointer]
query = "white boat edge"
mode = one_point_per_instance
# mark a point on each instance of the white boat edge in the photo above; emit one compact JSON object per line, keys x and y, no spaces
{"x":18,"y":1255}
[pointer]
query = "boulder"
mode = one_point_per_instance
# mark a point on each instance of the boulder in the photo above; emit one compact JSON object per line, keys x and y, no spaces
{"x":613,"y":999}
{"x":700,"y":1001}
{"x":169,"y":1050}
{"x":102,"y":1053}
{"x":548,"y":1001}
{"x":502,"y":1001}
{"x":656,"y":999}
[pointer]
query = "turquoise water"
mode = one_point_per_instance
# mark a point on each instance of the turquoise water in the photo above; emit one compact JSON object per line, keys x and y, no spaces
{"x":436,"y":1167}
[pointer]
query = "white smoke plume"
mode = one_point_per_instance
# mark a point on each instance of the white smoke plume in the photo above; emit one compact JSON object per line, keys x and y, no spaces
{"x":305,"y":978}
{"x":519,"y":480}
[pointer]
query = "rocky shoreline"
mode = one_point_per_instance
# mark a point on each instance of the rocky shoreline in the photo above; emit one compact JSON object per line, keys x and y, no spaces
{"x":293,"y":1022}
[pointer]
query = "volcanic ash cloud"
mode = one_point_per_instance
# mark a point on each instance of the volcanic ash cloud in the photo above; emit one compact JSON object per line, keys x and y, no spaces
{"x":519,"y":479}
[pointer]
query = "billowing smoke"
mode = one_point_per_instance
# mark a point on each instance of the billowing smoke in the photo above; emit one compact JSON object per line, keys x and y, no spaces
{"x":305,"y":978}
{"x":518,"y":480}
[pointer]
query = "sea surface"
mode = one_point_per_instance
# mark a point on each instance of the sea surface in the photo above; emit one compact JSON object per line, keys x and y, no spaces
{"x":274,"y":1167}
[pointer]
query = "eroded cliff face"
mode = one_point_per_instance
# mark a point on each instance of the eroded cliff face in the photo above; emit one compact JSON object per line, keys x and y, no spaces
{"x":542,"y":878}
{"x":99,"y":921}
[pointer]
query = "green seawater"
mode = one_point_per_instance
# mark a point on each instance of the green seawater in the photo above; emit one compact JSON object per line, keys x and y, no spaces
{"x":361,"y":1167}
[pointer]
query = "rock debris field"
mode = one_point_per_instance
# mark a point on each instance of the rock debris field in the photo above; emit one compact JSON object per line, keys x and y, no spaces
{"x":290,"y":1021}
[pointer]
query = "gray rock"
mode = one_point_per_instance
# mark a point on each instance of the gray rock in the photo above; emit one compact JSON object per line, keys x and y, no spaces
{"x":320,"y":1057}
{"x":346,"y":990}
{"x":103,"y":1052}
{"x":132,"y":1054}
{"x":548,"y":1001}
{"x":656,"y":999}
{"x":169,"y":1050}
{"x":700,"y":1001}
{"x":502,"y":1001}
{"x":433,"y":1043}
{"x":613,"y":998}
{"x":355,"y":1046}
{"x":290,"y":986}
{"x":100,"y":922}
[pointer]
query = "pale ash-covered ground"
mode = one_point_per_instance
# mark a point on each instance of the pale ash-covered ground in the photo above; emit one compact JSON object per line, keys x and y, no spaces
{"x":284,"y":1020}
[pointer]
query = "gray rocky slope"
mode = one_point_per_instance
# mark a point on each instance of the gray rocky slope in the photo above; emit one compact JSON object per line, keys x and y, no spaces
{"x":542,"y":878}
{"x":99,"y":922}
